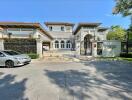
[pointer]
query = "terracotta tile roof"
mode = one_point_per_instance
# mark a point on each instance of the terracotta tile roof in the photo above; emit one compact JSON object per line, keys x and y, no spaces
{"x":59,"y":23}
{"x":85,"y":25}
{"x":24,"y":25}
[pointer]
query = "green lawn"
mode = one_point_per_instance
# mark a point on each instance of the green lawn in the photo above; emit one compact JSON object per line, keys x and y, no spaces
{"x":128,"y":59}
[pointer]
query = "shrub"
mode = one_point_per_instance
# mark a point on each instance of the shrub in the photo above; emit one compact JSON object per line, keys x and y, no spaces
{"x":33,"y":56}
{"x":129,"y":55}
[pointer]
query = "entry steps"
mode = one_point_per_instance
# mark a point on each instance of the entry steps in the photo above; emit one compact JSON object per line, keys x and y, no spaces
{"x":62,"y":56}
{"x":59,"y":56}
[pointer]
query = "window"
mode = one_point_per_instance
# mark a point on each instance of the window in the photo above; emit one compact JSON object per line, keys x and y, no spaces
{"x":62,"y":44}
{"x":62,"y":28}
{"x":11,"y":53}
{"x":50,"y":28}
{"x":56,"y":44}
{"x":68,"y":44}
{"x":1,"y":54}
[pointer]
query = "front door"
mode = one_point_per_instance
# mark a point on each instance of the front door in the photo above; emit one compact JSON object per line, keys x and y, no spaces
{"x":87,"y":45}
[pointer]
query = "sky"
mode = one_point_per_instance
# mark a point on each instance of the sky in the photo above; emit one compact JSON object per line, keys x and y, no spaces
{"x":74,"y":11}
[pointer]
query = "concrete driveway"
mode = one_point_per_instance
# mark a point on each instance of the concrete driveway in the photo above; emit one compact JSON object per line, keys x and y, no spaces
{"x":93,"y":80}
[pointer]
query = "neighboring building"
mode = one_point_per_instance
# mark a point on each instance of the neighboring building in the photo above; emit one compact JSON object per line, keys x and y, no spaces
{"x":16,"y":30}
{"x":62,"y":33}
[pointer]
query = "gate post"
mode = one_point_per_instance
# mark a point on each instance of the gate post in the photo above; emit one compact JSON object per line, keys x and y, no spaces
{"x":94,"y":49}
{"x":39,"y":48}
{"x":1,"y":44}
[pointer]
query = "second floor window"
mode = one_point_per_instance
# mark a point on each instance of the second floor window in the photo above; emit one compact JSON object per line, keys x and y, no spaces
{"x":50,"y":28}
{"x":62,"y":28}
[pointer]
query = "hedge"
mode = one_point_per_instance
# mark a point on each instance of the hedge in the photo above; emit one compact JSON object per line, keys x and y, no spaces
{"x":129,"y":55}
{"x":33,"y":55}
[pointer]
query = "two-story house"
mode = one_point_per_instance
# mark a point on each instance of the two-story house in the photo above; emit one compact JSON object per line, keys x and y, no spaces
{"x":86,"y":39}
{"x":62,"y":33}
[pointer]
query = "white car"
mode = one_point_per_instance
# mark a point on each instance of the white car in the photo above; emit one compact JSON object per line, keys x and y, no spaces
{"x":11,"y":58}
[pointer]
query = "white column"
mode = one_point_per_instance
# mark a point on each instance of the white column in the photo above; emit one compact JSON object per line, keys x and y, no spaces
{"x":94,"y":49}
{"x":59,"y":44}
{"x":77,"y":48}
{"x":39,"y":48}
{"x":65,"y":44}
{"x":1,"y":44}
{"x":52,"y":45}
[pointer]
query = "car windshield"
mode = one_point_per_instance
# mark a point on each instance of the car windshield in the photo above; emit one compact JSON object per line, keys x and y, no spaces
{"x":11,"y":53}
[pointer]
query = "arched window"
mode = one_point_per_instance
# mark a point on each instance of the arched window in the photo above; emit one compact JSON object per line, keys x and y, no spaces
{"x":68,"y":44}
{"x":56,"y":44}
{"x":62,"y":44}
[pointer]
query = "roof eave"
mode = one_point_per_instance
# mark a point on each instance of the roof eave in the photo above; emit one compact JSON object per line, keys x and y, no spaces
{"x":59,"y":23}
{"x":85,"y":25}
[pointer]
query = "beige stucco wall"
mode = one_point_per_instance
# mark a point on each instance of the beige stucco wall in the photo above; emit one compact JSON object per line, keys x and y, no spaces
{"x":57,"y":28}
{"x":43,"y":37}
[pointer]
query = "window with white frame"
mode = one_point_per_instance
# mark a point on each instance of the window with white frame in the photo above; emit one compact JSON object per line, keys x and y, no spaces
{"x":56,"y":44}
{"x":62,"y":44}
{"x":68,"y":44}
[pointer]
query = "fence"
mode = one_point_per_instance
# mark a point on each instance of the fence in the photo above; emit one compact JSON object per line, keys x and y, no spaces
{"x":21,"y":45}
{"x":124,"y":46}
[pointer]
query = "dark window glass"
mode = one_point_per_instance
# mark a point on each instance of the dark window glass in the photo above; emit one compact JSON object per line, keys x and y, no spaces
{"x":11,"y":53}
{"x":62,"y":44}
{"x":50,"y":28}
{"x":56,"y":44}
{"x":62,"y":28}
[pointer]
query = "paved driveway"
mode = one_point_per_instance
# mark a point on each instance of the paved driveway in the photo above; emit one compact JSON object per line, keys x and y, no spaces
{"x":93,"y":80}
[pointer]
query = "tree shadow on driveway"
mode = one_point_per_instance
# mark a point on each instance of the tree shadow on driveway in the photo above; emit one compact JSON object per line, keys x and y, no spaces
{"x":98,"y":81}
{"x":11,"y":89}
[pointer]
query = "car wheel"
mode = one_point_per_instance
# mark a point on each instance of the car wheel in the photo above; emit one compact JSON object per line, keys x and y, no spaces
{"x":9,"y":64}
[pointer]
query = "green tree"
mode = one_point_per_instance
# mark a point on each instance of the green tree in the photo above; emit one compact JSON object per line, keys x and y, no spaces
{"x":129,"y":31}
{"x":116,"y":33}
{"x":123,"y":7}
